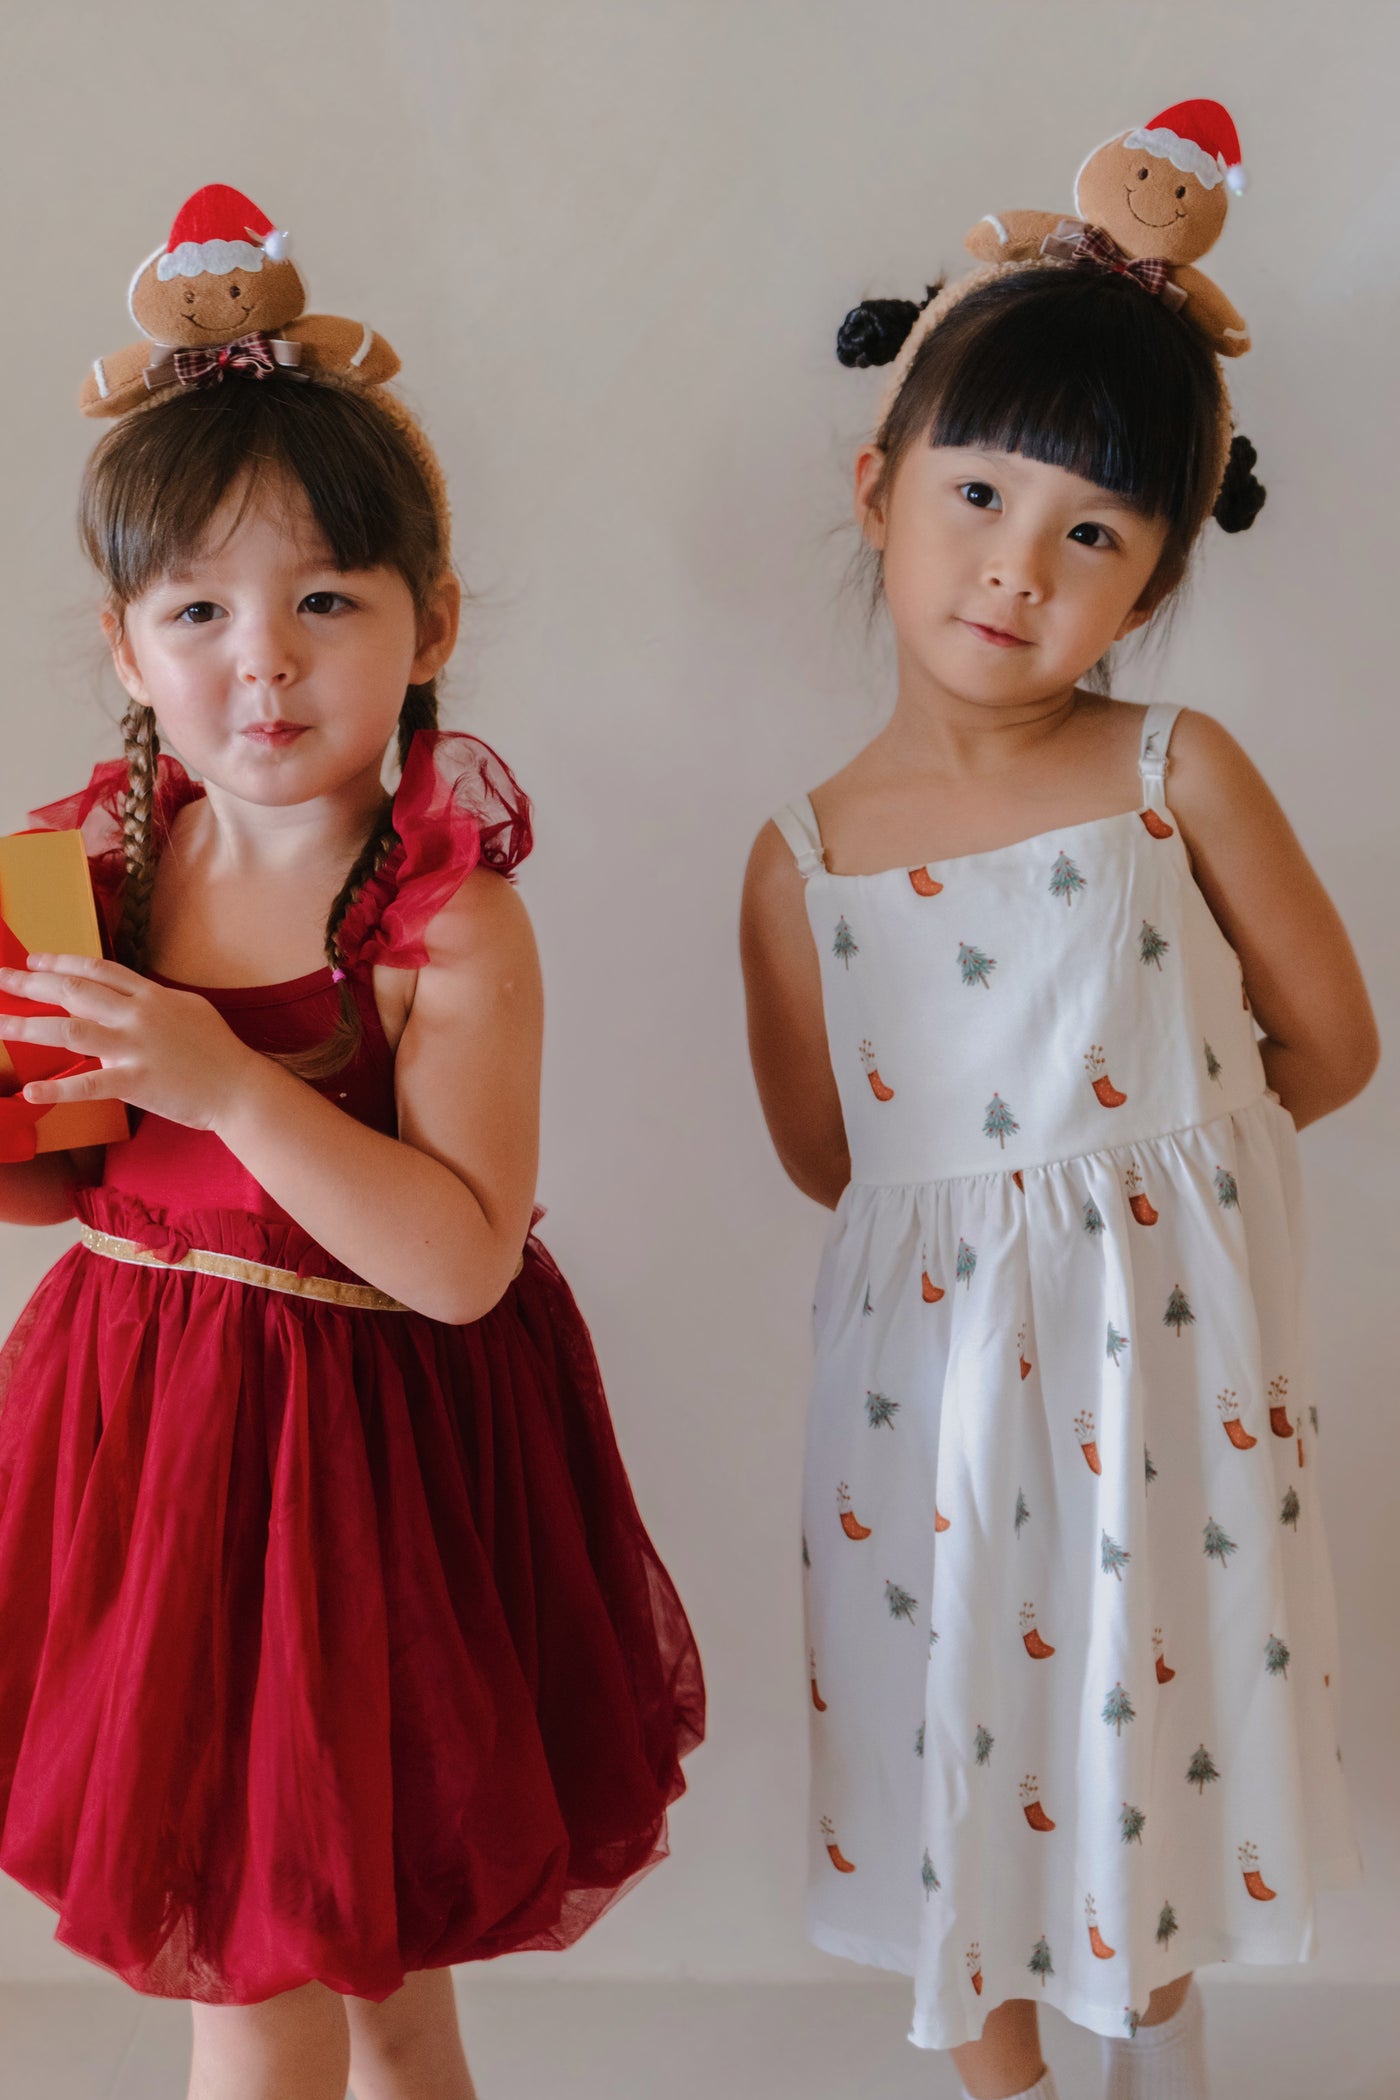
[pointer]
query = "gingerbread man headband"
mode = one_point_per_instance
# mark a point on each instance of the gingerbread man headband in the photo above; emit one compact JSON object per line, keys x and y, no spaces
{"x":1148,"y":203}
{"x":223,"y":300}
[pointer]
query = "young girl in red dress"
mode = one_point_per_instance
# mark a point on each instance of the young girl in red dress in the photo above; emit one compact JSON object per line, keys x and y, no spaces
{"x":333,"y":1650}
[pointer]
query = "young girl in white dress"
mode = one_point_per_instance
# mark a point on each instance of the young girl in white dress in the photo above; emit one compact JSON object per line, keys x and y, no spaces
{"x":1041,"y":987}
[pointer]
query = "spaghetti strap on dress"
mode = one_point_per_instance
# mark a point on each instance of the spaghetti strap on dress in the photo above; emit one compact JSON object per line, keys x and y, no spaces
{"x":332,"y":1644}
{"x":1072,"y":1639}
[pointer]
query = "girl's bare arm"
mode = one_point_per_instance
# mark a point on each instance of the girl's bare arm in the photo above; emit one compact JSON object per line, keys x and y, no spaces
{"x":787,"y":1029}
{"x":1305,"y":986}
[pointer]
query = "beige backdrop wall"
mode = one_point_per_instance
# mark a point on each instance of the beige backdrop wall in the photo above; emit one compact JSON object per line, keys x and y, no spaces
{"x":612,"y":242}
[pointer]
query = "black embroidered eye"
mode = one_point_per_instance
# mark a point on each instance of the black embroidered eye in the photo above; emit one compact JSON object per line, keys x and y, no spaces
{"x":1142,"y":174}
{"x":1182,"y":191}
{"x":235,"y":292}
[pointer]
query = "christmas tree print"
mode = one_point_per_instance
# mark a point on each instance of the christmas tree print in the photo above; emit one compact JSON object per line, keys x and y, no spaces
{"x":881,"y":1410}
{"x":844,"y":945}
{"x":1139,"y":1204}
{"x":1040,"y":1963}
{"x":833,"y":1850}
{"x":919,"y":1740}
{"x":867,"y":1307}
{"x":974,"y":1966}
{"x":1065,"y":879}
{"x":806,"y":1555}
{"x":1167,"y":1925}
{"x":1030,"y":1803}
{"x":1217,"y":1546}
{"x":1113,"y":1559}
{"x":1213,"y":1064}
{"x":1096,"y":1939}
{"x":1201,"y":1769}
{"x":1022,"y":1511}
{"x":1093,"y":1217}
{"x":1312,"y":1417}
{"x":850,"y":1523}
{"x":1227,"y":1193}
{"x":1178,"y":1313}
{"x":1289,"y":1512}
{"x":1084,"y":1430}
{"x":1030,"y":1634}
{"x":1117,"y":1343}
{"x":1130,"y":1824}
{"x":1149,"y":1470}
{"x":900,"y":1602}
{"x":1165,"y":1673}
{"x":1118,"y":1708}
{"x":1229,"y":1407}
{"x":982,"y":1744}
{"x":1276,"y":1656}
{"x":1151,"y":946}
{"x":928,"y":1876}
{"x":975,"y":966}
{"x":1105,"y":1092}
{"x":1253,"y":1879}
{"x":1000,"y":1121}
{"x":966,"y":1263}
{"x":1278,"y":1407}
{"x":877,"y":1085}
{"x":1132,"y":2020}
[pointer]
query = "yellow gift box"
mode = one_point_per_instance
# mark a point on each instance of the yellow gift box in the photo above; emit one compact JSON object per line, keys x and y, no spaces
{"x":47,"y":908}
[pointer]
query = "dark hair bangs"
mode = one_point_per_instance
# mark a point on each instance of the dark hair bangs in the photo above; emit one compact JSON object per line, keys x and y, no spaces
{"x":156,"y":481}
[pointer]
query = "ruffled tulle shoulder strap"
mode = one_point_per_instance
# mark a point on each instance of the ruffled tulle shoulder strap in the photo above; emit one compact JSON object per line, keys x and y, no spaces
{"x":96,"y":811}
{"x":457,"y":805}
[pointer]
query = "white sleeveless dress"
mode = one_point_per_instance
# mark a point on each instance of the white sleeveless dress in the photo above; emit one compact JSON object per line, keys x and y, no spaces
{"x":1069,"y":1598}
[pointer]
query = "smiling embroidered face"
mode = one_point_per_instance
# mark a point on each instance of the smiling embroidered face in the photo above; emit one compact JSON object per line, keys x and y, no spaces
{"x":192,"y":312}
{"x":1147,"y":204}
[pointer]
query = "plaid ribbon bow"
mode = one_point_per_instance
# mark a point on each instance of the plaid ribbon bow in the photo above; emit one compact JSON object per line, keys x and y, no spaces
{"x":250,"y":353}
{"x":1086,"y":247}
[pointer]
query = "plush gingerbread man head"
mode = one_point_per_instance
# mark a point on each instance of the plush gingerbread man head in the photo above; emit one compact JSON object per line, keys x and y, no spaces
{"x":223,"y":273}
{"x":1163,"y":189}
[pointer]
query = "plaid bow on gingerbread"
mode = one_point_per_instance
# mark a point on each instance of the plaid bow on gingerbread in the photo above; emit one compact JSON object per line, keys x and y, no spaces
{"x":1086,"y":247}
{"x":251,"y":354}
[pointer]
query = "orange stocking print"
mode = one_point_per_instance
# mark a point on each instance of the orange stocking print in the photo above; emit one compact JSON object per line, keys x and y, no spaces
{"x":850,"y":1523}
{"x":833,"y":1850}
{"x":1096,"y":1939}
{"x":877,"y":1084}
{"x":1165,"y":1673}
{"x":817,"y":1699}
{"x":1021,"y":1352}
{"x":1105,"y":1092}
{"x":924,"y":884}
{"x":1030,"y":1802}
{"x":932,"y":1291}
{"x":1138,"y":1203}
{"x":1278,"y":1407}
{"x":1155,"y":824}
{"x":1084,"y":1430}
{"x":1234,"y":1428}
{"x":974,"y":1966}
{"x":1030,"y":1634}
{"x":1253,"y":1879}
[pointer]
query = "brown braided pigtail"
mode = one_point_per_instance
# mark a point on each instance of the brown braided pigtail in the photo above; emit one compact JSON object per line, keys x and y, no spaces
{"x":141,"y":850}
{"x":419,"y":711}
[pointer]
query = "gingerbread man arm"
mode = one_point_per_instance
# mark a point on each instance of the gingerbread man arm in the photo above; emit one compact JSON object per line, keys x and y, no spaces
{"x":1010,"y":236}
{"x":1212,"y":312}
{"x":333,"y":344}
{"x":116,"y":383}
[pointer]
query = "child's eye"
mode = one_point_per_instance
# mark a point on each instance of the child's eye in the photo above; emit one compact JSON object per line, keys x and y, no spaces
{"x":980,"y":493}
{"x":1099,"y":536}
{"x":199,"y":614}
{"x":323,"y":601}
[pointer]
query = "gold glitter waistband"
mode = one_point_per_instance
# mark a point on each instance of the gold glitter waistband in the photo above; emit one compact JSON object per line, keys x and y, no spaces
{"x":328,"y":1289}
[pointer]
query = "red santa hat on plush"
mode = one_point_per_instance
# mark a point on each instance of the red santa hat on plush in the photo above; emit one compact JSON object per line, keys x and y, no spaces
{"x":1200,"y":139}
{"x":216,"y":231}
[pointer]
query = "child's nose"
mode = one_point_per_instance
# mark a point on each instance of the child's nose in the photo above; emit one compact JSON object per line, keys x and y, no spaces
{"x":1018,"y":568}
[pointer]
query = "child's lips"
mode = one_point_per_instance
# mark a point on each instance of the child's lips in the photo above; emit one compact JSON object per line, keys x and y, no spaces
{"x":1000,"y":637}
{"x":274,"y":733}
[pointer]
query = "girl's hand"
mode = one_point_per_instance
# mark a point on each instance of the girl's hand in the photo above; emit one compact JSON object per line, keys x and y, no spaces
{"x":165,"y":1051}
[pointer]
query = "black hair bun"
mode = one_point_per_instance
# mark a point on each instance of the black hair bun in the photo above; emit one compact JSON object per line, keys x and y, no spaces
{"x":874,"y":332}
{"x":1242,"y":494}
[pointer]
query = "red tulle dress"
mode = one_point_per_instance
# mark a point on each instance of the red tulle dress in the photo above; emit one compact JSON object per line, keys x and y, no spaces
{"x":332,"y":1644}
